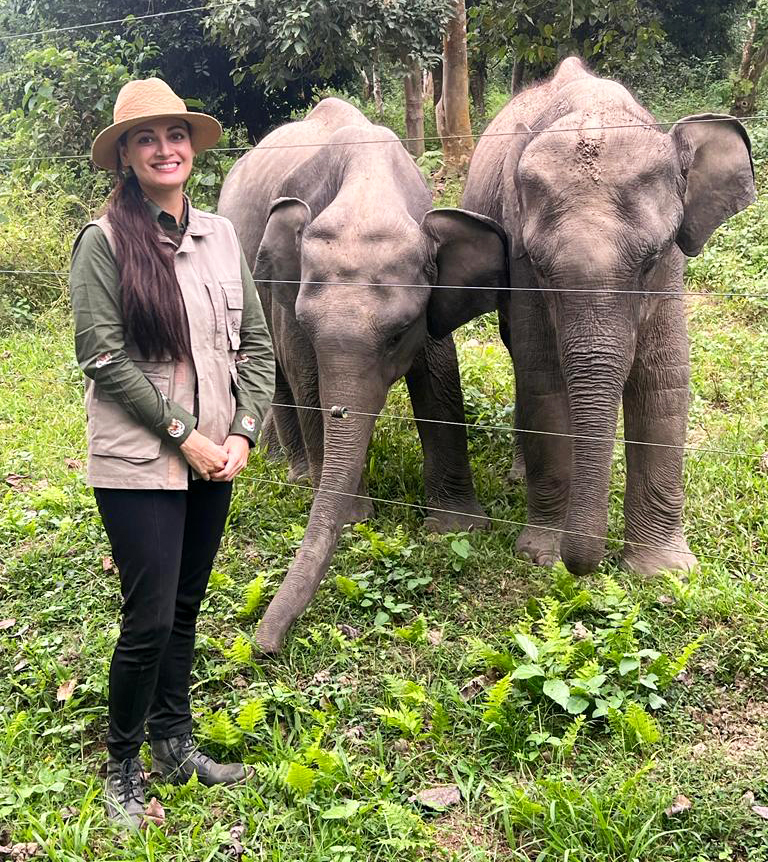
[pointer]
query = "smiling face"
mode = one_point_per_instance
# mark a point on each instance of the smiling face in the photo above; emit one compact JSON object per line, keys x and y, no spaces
{"x":160,"y":153}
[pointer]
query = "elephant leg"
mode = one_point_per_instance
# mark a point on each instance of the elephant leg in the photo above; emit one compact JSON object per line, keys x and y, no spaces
{"x":517,"y":471}
{"x":541,"y":406}
{"x":656,"y":411}
{"x":435,"y":389}
{"x":288,"y":430}
{"x":268,"y":438}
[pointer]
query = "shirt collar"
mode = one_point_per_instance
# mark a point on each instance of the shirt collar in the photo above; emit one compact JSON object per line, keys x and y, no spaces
{"x":165,"y":219}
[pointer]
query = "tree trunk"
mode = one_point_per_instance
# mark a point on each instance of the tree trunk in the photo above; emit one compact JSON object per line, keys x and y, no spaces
{"x":427,"y":86}
{"x":414,"y":112}
{"x":437,"y":83}
{"x":516,"y":83}
{"x":367,"y":88}
{"x":477,"y":76}
{"x":457,"y":132}
{"x":377,"y":97}
{"x":754,"y":60}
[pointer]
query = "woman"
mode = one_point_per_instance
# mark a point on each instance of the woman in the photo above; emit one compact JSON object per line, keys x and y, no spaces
{"x":171,"y":336}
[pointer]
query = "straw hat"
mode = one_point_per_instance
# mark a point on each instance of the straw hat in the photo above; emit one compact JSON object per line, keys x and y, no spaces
{"x":150,"y":100}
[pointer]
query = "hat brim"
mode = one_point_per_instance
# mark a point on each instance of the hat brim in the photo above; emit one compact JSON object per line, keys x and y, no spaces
{"x":205,"y":132}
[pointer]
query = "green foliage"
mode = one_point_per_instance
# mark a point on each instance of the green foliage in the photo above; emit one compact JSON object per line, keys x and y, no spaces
{"x":56,"y":99}
{"x":219,"y":728}
{"x":299,"y":778}
{"x":634,"y":726}
{"x":611,"y":36}
{"x":254,"y":594}
{"x":462,"y":550}
{"x":279,"y":42}
{"x":251,"y":713}
{"x":381,"y":547}
{"x":408,"y":722}
{"x":240,"y":651}
{"x":416,"y":632}
{"x":567,"y":821}
{"x":376,"y":588}
{"x":581,"y":652}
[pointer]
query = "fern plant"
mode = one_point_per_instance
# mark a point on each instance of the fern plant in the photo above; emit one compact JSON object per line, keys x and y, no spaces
{"x":416,"y":632}
{"x":218,"y":727}
{"x":254,"y":594}
{"x":298,"y":778}
{"x":408,"y":722}
{"x":251,"y":713}
{"x":579,"y":653}
{"x":240,"y":651}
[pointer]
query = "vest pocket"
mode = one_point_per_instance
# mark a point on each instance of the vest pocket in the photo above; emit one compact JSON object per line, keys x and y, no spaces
{"x":233,"y":299}
{"x":114,"y":433}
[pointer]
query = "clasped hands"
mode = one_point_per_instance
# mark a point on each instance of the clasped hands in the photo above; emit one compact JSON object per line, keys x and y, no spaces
{"x":213,"y":462}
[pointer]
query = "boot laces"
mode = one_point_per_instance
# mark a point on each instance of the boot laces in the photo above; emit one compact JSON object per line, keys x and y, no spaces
{"x":190,"y":751}
{"x":130,"y":786}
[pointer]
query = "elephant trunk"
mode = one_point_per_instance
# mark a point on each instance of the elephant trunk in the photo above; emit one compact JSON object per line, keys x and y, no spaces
{"x":345,"y":448}
{"x":595,"y":368}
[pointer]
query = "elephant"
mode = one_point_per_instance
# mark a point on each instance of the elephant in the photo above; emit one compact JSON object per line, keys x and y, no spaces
{"x":334,"y":219}
{"x":600,"y":207}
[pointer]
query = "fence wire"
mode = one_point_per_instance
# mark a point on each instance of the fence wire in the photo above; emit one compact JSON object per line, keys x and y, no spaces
{"x":423,"y":139}
{"x":513,"y":430}
{"x":127,"y":21}
{"x":741,"y":563}
{"x":667,"y":294}
{"x":509,"y":522}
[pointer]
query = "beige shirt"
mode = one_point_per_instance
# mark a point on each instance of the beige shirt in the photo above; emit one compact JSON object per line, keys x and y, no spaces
{"x":141,"y":410}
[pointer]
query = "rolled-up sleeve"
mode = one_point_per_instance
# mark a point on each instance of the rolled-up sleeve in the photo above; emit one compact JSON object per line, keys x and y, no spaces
{"x":100,"y":346}
{"x":255,"y":363}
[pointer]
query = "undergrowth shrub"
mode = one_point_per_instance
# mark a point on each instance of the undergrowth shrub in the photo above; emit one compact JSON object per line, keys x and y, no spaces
{"x":580,"y":653}
{"x":558,"y":818}
{"x":37,"y":229}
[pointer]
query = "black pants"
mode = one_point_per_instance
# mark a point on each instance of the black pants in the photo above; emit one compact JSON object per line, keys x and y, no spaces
{"x":164,"y":544}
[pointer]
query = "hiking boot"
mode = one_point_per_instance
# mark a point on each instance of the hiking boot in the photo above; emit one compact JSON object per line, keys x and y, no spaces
{"x":176,"y":759}
{"x":124,"y":793}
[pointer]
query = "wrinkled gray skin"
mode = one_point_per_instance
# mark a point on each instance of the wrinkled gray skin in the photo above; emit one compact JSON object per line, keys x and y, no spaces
{"x":311,"y":218}
{"x":585,"y":210}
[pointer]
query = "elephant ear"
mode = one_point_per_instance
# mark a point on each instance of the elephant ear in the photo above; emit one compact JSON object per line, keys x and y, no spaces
{"x":470,"y":251}
{"x":716,"y":164}
{"x":512,"y":217}
{"x":278,"y":260}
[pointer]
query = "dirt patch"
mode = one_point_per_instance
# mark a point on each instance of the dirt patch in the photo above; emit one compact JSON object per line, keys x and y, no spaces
{"x":739,"y":733}
{"x":456,"y":833}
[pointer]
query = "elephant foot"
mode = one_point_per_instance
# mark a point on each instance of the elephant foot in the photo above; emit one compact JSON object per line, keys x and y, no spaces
{"x":517,"y":472}
{"x":269,"y":440}
{"x":470,"y":517}
{"x":539,"y":546}
{"x":359,"y":511}
{"x":651,"y":561}
{"x":299,"y":474}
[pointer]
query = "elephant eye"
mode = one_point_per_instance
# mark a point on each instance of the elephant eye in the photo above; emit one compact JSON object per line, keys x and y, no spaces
{"x":649,"y":265}
{"x":395,"y":339}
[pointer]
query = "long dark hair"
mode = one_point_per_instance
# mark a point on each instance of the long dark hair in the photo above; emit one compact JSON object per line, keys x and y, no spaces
{"x":153,"y":310}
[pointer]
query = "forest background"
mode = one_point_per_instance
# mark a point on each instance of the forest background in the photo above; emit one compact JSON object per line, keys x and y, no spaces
{"x":440,"y":699}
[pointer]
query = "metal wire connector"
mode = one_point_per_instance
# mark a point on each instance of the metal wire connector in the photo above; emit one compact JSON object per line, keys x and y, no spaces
{"x":339,"y":412}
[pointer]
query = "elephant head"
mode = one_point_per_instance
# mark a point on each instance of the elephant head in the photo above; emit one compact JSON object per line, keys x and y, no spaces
{"x":360,"y":281}
{"x":599,"y":216}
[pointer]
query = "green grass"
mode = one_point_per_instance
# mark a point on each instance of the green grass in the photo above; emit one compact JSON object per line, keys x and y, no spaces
{"x":362,"y":709}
